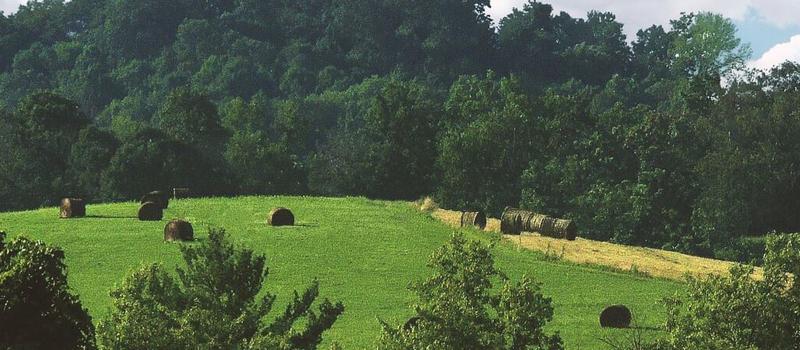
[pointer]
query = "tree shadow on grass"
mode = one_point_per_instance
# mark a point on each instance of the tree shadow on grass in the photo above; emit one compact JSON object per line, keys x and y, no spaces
{"x":289,"y":227}
{"x":110,"y":217}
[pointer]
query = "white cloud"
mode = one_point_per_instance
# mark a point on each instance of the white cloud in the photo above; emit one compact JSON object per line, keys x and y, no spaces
{"x":788,"y":51}
{"x":10,"y":6}
{"x":782,"y":13}
{"x":639,"y":14}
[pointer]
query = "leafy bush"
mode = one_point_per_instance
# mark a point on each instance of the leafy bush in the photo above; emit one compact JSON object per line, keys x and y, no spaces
{"x":214,"y":304}
{"x":37,"y":310}
{"x":740,"y":312}
{"x":458,"y":311}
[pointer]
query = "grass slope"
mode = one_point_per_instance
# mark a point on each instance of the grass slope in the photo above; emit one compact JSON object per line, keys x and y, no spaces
{"x":363,"y":252}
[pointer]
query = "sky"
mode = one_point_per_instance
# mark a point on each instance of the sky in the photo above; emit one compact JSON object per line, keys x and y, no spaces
{"x":771,"y":27}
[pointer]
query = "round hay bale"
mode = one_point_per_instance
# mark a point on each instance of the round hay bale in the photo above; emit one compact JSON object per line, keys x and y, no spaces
{"x":150,"y":211}
{"x":535,"y":223}
{"x":280,"y":217}
{"x":72,"y":208}
{"x":160,"y":197}
{"x":566,"y":229}
{"x":549,"y":226}
{"x":178,"y":230}
{"x":473,"y":219}
{"x":616,"y":316}
{"x":511,"y":221}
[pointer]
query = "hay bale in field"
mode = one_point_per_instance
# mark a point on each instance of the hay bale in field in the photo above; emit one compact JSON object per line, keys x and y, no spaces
{"x":160,"y":197}
{"x":473,"y":219}
{"x":178,"y":230}
{"x":566,"y":228}
{"x":616,"y":316}
{"x":511,"y":221}
{"x":72,"y":208}
{"x":551,"y":227}
{"x":280,"y":217}
{"x":514,"y":221}
{"x":151,"y":211}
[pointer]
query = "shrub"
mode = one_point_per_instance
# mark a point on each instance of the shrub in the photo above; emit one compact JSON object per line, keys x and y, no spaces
{"x":457,"y":309}
{"x":37,"y":310}
{"x":215,"y":303}
{"x":739,"y":312}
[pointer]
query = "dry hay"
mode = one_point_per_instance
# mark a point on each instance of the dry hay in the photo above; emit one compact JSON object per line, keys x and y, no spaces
{"x":427,"y":204}
{"x":450,"y":217}
{"x":280,"y":217}
{"x":178,"y":230}
{"x":648,"y":261}
{"x":475,"y":219}
{"x":615,"y":316}
{"x":150,"y":211}
{"x":160,"y":197}
{"x":72,"y":208}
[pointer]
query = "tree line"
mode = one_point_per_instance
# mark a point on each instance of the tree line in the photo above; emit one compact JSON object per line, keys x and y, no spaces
{"x":664,"y":140}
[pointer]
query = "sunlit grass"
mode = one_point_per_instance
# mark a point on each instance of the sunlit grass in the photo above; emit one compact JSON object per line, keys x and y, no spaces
{"x":364,"y":253}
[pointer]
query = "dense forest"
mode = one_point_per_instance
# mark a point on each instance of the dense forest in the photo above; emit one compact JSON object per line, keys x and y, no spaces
{"x":662,"y":140}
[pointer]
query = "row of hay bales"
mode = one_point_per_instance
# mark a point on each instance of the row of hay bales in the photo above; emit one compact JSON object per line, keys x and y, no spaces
{"x":514,"y":221}
{"x":151,"y":207}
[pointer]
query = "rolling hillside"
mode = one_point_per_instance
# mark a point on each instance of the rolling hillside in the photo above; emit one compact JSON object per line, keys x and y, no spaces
{"x":364,"y":253}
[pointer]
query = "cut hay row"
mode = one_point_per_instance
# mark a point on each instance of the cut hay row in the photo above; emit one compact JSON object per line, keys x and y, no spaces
{"x":652,"y":262}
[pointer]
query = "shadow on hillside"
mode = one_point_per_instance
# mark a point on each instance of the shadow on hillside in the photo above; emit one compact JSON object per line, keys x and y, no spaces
{"x":110,"y":217}
{"x":297,"y":225}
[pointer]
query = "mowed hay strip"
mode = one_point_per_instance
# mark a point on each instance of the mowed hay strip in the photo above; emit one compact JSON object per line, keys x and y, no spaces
{"x":653,"y":262}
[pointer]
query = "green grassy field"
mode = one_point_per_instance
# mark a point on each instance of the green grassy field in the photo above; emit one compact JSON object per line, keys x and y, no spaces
{"x":364,"y":253}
